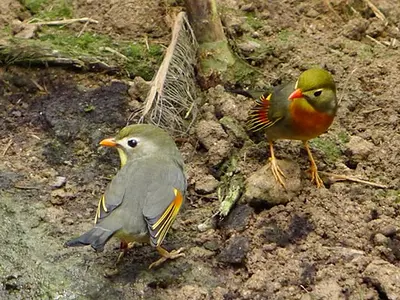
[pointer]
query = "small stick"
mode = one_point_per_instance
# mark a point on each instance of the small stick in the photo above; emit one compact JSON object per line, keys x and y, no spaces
{"x":346,"y":85}
{"x":7,"y":147}
{"x":372,"y":110}
{"x":23,"y":187}
{"x":335,"y":177}
{"x":114,"y":52}
{"x":376,"y":11}
{"x":68,"y":21}
{"x":146,"y":40}
{"x":374,"y":40}
{"x":83,"y":29}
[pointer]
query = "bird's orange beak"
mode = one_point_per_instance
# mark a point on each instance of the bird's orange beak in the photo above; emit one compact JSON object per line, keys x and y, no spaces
{"x":296,"y":94}
{"x":108,"y":142}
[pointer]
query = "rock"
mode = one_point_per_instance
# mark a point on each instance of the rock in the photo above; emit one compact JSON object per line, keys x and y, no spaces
{"x":328,"y":289}
{"x":206,"y":184}
{"x":236,"y":250}
{"x":380,"y":239}
{"x":388,"y":230}
{"x":262,"y":186}
{"x":250,"y":7}
{"x":385,"y":277}
{"x":210,"y":133}
{"x":375,"y":28}
{"x":355,"y":29}
{"x":213,"y":137}
{"x":58,"y":182}
{"x":359,"y":148}
{"x":249,"y":46}
{"x":234,"y":129}
{"x":238,"y":218}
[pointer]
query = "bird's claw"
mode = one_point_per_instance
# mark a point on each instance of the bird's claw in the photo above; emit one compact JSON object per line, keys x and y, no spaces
{"x":277,"y":172}
{"x":315,"y":177}
{"x":167,"y":255}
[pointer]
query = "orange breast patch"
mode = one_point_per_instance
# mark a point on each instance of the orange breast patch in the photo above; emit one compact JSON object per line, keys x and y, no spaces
{"x":307,"y":122}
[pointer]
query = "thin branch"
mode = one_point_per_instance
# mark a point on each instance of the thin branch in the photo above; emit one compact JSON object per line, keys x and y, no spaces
{"x":7,"y":147}
{"x":346,"y":85}
{"x":376,"y":11}
{"x":335,"y":178}
{"x":68,"y":21}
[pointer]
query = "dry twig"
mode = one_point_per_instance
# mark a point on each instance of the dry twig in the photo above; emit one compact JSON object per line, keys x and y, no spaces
{"x":7,"y":147}
{"x":335,"y":178}
{"x":68,"y":21}
{"x":376,"y":11}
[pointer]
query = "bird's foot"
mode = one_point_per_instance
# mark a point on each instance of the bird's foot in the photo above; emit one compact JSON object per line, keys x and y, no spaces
{"x":277,"y":172}
{"x":315,"y":177}
{"x":124,"y":247}
{"x":165,"y":255}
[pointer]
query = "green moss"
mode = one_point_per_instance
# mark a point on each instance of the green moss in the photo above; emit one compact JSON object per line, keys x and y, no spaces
{"x":49,"y":9}
{"x":330,"y":149}
{"x":284,"y":35}
{"x":142,"y":61}
{"x":253,"y":21}
{"x":343,"y":137}
{"x":136,"y":58}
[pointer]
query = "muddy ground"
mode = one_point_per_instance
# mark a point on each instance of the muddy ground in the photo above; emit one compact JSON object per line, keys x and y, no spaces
{"x":338,"y":242}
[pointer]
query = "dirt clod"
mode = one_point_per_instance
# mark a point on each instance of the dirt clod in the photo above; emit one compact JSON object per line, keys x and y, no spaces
{"x":236,"y":250}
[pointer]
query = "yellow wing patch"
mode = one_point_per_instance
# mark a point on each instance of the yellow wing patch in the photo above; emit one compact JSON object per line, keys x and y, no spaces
{"x":164,"y":223}
{"x":102,"y":204}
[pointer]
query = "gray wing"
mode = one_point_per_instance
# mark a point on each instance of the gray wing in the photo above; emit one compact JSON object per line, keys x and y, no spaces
{"x":166,"y":193}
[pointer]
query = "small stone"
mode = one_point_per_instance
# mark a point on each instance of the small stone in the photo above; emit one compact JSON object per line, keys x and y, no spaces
{"x":388,"y":230}
{"x":249,"y":46}
{"x":248,"y":7}
{"x":206,"y":184}
{"x":238,"y":218}
{"x":384,"y":277}
{"x":312,"y":13}
{"x":59,"y":181}
{"x":328,"y":289}
{"x":380,"y":239}
{"x":262,"y":186}
{"x":210,"y":133}
{"x":236,"y":250}
{"x":211,"y":245}
{"x":355,"y":29}
{"x":359,"y":148}
{"x":375,"y":28}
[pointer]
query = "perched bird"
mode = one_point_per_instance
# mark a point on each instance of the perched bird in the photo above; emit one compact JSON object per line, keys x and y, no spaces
{"x":143,"y":199}
{"x":297,"y":111}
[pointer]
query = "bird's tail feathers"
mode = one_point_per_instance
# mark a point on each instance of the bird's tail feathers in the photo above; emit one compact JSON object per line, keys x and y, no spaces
{"x":97,"y":237}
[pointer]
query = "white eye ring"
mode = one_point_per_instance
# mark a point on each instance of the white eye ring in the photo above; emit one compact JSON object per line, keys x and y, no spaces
{"x":318,"y":93}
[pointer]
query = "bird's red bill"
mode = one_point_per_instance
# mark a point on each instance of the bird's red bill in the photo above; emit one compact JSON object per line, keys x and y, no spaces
{"x":108,"y":142}
{"x":296,"y":94}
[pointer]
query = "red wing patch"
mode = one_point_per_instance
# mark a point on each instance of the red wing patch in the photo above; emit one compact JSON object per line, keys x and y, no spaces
{"x":258,"y":116}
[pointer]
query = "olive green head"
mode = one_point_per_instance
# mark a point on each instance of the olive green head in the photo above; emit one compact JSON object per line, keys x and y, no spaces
{"x":318,"y":88}
{"x":140,"y":140}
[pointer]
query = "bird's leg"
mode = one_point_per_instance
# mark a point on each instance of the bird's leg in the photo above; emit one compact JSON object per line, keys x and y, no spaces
{"x":124,"y":247}
{"x":165,"y":255}
{"x":313,"y":169}
{"x":276,"y":171}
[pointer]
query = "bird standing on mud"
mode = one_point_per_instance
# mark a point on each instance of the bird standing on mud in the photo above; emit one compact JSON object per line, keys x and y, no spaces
{"x":297,"y":111}
{"x":143,"y":199}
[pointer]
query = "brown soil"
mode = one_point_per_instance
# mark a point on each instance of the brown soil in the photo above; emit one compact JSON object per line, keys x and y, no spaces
{"x":338,"y":242}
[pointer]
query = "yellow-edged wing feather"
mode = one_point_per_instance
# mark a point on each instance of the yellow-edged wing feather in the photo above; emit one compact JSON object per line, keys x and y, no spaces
{"x":163,"y":224}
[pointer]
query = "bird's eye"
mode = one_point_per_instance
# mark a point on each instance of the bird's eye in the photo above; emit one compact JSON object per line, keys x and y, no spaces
{"x":317,"y":93}
{"x":132,"y":143}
